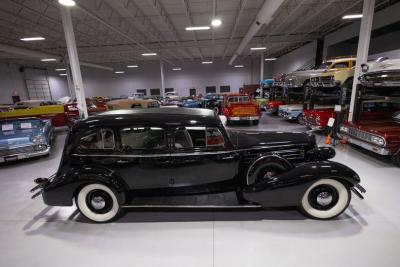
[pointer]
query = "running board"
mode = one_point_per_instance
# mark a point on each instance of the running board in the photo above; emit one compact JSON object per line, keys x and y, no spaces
{"x":192,"y":206}
{"x":226,"y":200}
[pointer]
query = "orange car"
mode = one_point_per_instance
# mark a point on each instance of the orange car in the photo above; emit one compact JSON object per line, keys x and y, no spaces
{"x":240,"y":107}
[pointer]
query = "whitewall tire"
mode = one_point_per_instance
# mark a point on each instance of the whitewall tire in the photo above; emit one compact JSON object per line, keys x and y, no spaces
{"x":98,"y":203}
{"x":325,"y":199}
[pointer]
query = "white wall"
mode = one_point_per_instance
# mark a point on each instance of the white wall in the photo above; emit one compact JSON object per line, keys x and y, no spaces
{"x":382,"y":18}
{"x":291,"y":61}
{"x":11,"y":81}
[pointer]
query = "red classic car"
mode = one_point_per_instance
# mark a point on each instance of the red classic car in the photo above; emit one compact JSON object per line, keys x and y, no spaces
{"x":376,"y":130}
{"x":71,"y":110}
{"x":239,"y":107}
{"x":317,"y":118}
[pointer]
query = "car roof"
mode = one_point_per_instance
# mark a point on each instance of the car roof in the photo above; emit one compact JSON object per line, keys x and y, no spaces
{"x":151,"y":116}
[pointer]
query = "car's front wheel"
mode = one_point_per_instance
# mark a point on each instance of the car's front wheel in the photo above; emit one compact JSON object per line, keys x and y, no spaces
{"x":325,"y":199}
{"x":98,"y":203}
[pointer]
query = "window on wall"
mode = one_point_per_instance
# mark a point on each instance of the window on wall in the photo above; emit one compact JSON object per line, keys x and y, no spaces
{"x":155,"y":91}
{"x":168,"y":90}
{"x":211,"y":89}
{"x":192,"y":91}
{"x":141,"y":91}
{"x":225,"y":88}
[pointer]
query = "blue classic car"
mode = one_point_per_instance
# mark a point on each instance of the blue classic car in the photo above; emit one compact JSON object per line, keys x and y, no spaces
{"x":191,"y":103}
{"x":24,"y":138}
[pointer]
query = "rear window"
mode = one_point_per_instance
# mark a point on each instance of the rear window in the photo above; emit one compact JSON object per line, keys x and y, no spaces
{"x":238,"y":99}
{"x":198,"y":137}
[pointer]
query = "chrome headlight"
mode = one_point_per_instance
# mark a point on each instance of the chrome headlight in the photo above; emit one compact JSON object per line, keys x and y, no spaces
{"x":38,"y":139}
{"x":378,"y":140}
{"x":40,"y":147}
{"x":344,"y":129}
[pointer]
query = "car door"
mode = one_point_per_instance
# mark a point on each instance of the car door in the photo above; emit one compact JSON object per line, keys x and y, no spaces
{"x":200,"y":157}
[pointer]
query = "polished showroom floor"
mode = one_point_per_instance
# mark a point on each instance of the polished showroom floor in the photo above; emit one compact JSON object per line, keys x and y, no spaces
{"x":368,"y":234}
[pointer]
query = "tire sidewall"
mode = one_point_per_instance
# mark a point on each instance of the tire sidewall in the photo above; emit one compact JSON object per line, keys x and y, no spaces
{"x":89,"y":214}
{"x":341,"y":205}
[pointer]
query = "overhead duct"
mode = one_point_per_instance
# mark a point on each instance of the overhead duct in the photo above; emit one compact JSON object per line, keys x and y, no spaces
{"x":263,"y":17}
{"x":37,"y":54}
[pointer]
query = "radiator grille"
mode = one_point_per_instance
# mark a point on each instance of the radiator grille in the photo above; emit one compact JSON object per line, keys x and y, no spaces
{"x":360,"y":134}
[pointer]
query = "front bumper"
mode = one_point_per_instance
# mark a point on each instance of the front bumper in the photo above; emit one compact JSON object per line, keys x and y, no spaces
{"x":377,"y":149}
{"x":25,"y":155}
{"x":244,"y":118}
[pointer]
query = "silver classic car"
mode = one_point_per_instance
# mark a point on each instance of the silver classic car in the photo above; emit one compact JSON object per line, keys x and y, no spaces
{"x":24,"y":138}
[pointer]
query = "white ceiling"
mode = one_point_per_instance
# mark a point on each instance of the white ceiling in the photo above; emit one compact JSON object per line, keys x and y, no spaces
{"x":116,"y":32}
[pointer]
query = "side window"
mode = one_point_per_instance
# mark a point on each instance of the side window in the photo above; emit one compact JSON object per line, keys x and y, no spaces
{"x":200,"y":137}
{"x":101,"y":139}
{"x":340,"y":65}
{"x":142,"y":138}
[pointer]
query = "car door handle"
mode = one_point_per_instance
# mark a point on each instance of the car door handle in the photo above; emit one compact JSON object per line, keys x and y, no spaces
{"x":228,"y":157}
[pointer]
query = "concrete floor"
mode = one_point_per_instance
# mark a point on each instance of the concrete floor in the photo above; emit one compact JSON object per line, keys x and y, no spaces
{"x":368,"y":234}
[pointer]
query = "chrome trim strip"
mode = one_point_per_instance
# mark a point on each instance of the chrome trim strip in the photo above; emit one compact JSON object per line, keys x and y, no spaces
{"x":190,"y":153}
{"x":193,"y":206}
{"x":379,"y":150}
{"x":28,"y":155}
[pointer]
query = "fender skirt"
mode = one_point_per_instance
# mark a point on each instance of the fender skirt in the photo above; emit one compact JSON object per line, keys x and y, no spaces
{"x":287,"y":189}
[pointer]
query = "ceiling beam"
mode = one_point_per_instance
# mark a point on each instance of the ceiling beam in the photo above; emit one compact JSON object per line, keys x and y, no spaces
{"x":190,"y":18}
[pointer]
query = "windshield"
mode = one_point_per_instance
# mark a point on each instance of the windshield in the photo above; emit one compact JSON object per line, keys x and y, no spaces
{"x":380,"y":111}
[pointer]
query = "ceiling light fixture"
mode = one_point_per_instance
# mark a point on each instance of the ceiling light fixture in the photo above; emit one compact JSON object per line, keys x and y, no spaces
{"x":238,"y":66}
{"x":258,"y":48}
{"x":197,"y":28}
{"x":216,"y":22}
{"x":48,"y":59}
{"x":62,"y":74}
{"x":207,"y":62}
{"x":149,"y":54}
{"x":132,"y":66}
{"x":352,"y":16}
{"x":67,"y":2}
{"x":270,"y":59}
{"x":61,"y":69}
{"x":177,"y":69}
{"x":28,"y":39}
{"x":119,"y":72}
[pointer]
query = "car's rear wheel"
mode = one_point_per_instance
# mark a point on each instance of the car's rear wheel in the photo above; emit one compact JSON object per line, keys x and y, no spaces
{"x":98,"y":203}
{"x":325,"y":199}
{"x":300,"y":119}
{"x":216,"y":110}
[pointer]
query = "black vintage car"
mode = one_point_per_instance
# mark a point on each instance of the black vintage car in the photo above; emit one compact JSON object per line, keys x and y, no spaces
{"x":186,"y":158}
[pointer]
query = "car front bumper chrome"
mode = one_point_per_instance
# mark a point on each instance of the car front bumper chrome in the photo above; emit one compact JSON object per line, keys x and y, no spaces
{"x":25,"y":155}
{"x":377,"y":149}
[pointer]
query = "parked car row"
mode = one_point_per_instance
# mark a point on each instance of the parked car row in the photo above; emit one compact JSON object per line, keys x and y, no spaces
{"x":375,"y":124}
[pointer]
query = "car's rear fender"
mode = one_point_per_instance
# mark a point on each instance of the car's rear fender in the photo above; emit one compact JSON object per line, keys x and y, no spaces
{"x":288,"y":188}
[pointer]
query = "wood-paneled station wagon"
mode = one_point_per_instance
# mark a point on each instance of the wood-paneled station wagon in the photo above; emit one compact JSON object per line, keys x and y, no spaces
{"x":186,"y":158}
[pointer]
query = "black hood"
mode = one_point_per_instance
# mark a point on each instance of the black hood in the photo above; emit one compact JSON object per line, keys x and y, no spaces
{"x":248,"y":139}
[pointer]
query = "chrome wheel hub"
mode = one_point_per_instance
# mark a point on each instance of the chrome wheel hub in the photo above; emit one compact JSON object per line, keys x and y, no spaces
{"x":324,"y":198}
{"x":98,"y":202}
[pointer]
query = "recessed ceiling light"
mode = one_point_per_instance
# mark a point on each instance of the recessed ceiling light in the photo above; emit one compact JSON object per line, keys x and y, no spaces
{"x":60,"y":69}
{"x":62,"y":74}
{"x":67,"y":2}
{"x":149,"y":54}
{"x":216,"y":22}
{"x":28,"y":39}
{"x":119,"y":72}
{"x":177,"y":69}
{"x":352,"y":16}
{"x":48,"y":59}
{"x":207,"y":62}
{"x":258,"y":48}
{"x":132,"y":66}
{"x":270,"y":59}
{"x":238,"y":66}
{"x":197,"y":28}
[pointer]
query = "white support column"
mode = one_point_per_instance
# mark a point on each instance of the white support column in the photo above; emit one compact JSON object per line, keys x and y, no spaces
{"x":261,"y":67}
{"x":363,"y":47}
{"x":74,"y":60}
{"x":70,"y":82}
{"x":162,"y":78}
